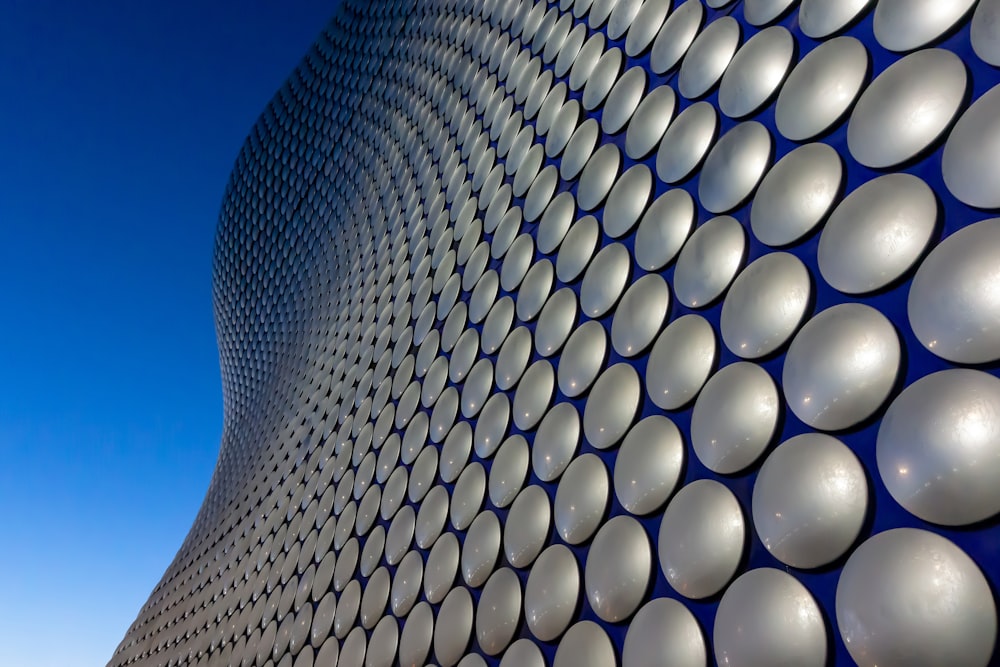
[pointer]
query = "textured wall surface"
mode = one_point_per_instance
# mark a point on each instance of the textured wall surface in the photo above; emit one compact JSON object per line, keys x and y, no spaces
{"x":608,"y":332}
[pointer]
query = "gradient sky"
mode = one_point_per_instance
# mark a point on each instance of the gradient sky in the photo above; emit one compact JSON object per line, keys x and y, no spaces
{"x":120,"y":121}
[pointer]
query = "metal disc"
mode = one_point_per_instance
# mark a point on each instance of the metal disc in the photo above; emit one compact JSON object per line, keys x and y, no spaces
{"x":913,"y":597}
{"x":663,"y":631}
{"x":556,"y":322}
{"x":418,"y":632}
{"x":577,"y":248}
{"x":509,"y":470}
{"x":936,"y":447}
{"x":762,"y":12}
{"x":686,"y":142}
{"x":648,"y":465}
{"x":627,"y":200}
{"x":639,"y":315}
{"x":676,"y":35}
{"x":967,"y":163}
{"x":623,"y":100}
{"x":757,"y":71}
{"x":523,"y":653}
{"x":477,"y":387}
{"x":442,"y":566}
{"x":612,"y":405}
{"x":734,"y":167}
{"x":821,"y":18}
{"x":877,"y":233}
{"x":555,"y":222}
{"x":513,"y":358}
{"x":708,"y":57}
{"x":431,"y":516}
{"x":650,"y":121}
{"x":534,"y":290}
{"x":619,"y":565}
{"x":498,"y":611}
{"x":605,"y":280}
{"x":841,"y":366}
{"x":480,"y":549}
{"x":585,"y":645}
{"x":453,"y":627}
{"x":555,"y":441}
{"x":701,"y":539}
{"x":765,"y":305}
{"x":822,"y":87}
{"x":906,"y":108}
{"x":796,"y":194}
{"x":735,"y":417}
{"x":581,"y":499}
{"x":582,"y":358}
{"x":527,"y":527}
{"x":383,"y":644}
{"x":680,"y":362}
{"x":984,"y":32}
{"x":903,"y":25}
{"x":406,"y":583}
{"x":467,"y":497}
{"x":663,"y":229}
{"x":766,"y":617}
{"x":497,"y":325}
{"x":579,"y":149}
{"x":551,"y":593}
{"x":954,"y":303}
{"x":810,"y":500}
{"x":709,"y":261}
{"x":645,"y":25}
{"x":603,"y":78}
{"x":598,"y":177}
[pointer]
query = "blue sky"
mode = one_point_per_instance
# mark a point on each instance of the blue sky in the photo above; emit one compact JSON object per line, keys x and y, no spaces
{"x":120,"y":124}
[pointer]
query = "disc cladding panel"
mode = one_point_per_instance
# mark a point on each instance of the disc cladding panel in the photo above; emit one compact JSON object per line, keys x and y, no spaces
{"x":474,"y":252}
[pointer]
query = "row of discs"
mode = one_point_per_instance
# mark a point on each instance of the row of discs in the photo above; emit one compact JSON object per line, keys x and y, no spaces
{"x":600,"y":332}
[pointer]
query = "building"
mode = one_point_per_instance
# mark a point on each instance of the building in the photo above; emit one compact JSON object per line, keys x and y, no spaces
{"x":580,"y":333}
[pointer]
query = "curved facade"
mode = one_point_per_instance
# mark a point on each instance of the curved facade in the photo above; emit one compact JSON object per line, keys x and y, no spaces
{"x":608,"y":333}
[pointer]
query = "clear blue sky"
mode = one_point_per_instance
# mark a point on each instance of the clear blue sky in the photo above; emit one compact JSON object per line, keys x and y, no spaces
{"x":119,"y":124}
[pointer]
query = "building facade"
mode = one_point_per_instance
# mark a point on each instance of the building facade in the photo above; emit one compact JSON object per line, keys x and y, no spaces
{"x":608,"y":332}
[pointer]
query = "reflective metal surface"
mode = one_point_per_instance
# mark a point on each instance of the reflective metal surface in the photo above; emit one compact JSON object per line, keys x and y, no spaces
{"x":953,"y":304}
{"x":935,"y":606}
{"x":449,"y":319}
{"x":765,"y":305}
{"x":734,"y":167}
{"x":611,"y":406}
{"x":936,"y":447}
{"x":968,"y":152}
{"x":619,"y":565}
{"x":585,"y":645}
{"x":552,"y":592}
{"x":686,"y":141}
{"x":810,"y":500}
{"x":766,"y":617}
{"x":680,"y":362}
{"x":709,"y":261}
{"x":906,"y":108}
{"x":757,"y":70}
{"x":581,"y":499}
{"x":734,"y":417}
{"x":650,"y":121}
{"x":708,"y":57}
{"x":841,"y":366}
{"x":796,"y":194}
{"x":877,"y":233}
{"x":823,"y":86}
{"x":903,"y":25}
{"x":639,"y":315}
{"x":701,"y":539}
